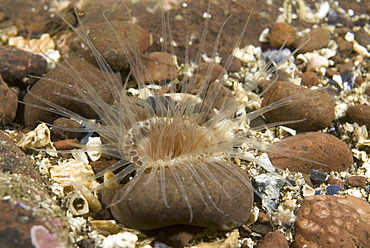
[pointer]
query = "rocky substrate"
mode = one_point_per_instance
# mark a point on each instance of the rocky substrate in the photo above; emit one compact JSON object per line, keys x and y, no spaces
{"x":317,"y":197}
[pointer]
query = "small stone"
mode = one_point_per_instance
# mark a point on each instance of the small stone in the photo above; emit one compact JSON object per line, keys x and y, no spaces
{"x":159,"y":66}
{"x":144,"y":207}
{"x":362,"y":37}
{"x":56,"y":93}
{"x":317,"y":61}
{"x":274,"y":239}
{"x":282,"y":33}
{"x":314,"y":108}
{"x":318,"y":176}
{"x":357,"y":181}
{"x":59,"y":126}
{"x":332,"y":221}
{"x":108,"y":45}
{"x":17,"y":65}
{"x":360,"y":114}
{"x":8,"y":103}
{"x":309,"y":79}
{"x":318,"y":38}
{"x":211,"y":71}
{"x":66,"y":144}
{"x":319,"y":151}
{"x":344,"y":47}
{"x":333,"y":189}
{"x":332,"y":180}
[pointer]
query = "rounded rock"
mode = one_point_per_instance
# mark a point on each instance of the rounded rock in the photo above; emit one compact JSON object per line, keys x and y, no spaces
{"x":360,"y":114}
{"x":159,"y":66}
{"x":8,"y":103}
{"x":144,"y":207}
{"x":17,"y":65}
{"x":59,"y":93}
{"x":318,"y":38}
{"x":61,"y":124}
{"x":315,"y":109}
{"x":106,"y":42}
{"x":309,"y":79}
{"x":274,"y":239}
{"x":282,"y":34}
{"x":332,"y":221}
{"x":312,"y":151}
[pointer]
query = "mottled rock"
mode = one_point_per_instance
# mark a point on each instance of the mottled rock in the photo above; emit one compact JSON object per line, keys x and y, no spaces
{"x":109,"y":46}
{"x":60,"y":126}
{"x":211,"y":71}
{"x":315,"y":109}
{"x":309,"y":79}
{"x":332,"y":221}
{"x":8,"y":103}
{"x":144,"y":207}
{"x":274,"y":239}
{"x":159,"y":66}
{"x":332,"y":180}
{"x":17,"y":65}
{"x":282,"y":33}
{"x":357,"y":181}
{"x":329,"y":153}
{"x":360,"y":114}
{"x":318,"y":38}
{"x":59,"y":93}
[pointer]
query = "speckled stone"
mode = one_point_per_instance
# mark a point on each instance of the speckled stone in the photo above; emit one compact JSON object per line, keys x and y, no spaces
{"x":108,"y":45}
{"x":8,"y":103}
{"x":314,"y":108}
{"x":357,"y":181}
{"x":318,"y":38}
{"x":144,"y":207}
{"x":332,"y":222}
{"x":55,"y":93}
{"x":360,"y":114}
{"x":330,"y":153}
{"x":309,"y":79}
{"x":159,"y":66}
{"x":274,"y":239}
{"x":280,"y":33}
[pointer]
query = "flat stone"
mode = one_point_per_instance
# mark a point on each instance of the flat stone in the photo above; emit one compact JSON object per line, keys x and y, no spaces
{"x":329,"y":153}
{"x":315,"y":109}
{"x":144,"y":208}
{"x":332,"y":221}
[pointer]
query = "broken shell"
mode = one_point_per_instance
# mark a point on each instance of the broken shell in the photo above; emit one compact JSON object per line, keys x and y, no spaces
{"x":77,"y":203}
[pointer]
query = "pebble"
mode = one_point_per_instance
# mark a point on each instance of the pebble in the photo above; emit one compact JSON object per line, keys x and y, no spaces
{"x":344,"y":47}
{"x":138,"y":211}
{"x":319,"y":38}
{"x":60,"y":123}
{"x":17,"y":65}
{"x":8,"y":103}
{"x":211,"y":71}
{"x":357,"y":181}
{"x":159,"y":66}
{"x":332,"y":221}
{"x":314,"y":108}
{"x":66,"y":144}
{"x":107,"y":44}
{"x":360,"y":114}
{"x":332,"y":153}
{"x":282,"y":34}
{"x":274,"y":239}
{"x":362,"y":37}
{"x":309,"y":79}
{"x":332,"y":180}
{"x":318,"y":176}
{"x":316,"y":61}
{"x":333,"y":189}
{"x":49,"y":90}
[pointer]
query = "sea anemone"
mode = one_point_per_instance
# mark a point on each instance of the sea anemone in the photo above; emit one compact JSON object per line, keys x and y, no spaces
{"x":175,"y":149}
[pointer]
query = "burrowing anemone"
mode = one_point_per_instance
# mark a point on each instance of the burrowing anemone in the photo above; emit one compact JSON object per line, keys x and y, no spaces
{"x":175,"y":149}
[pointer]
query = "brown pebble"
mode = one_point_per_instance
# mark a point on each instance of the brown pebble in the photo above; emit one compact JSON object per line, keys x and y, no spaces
{"x":362,"y":37}
{"x":315,"y":109}
{"x":332,"y":221}
{"x":159,"y":66}
{"x":344,"y":47}
{"x":8,"y":103}
{"x":66,"y":144}
{"x":318,"y":38}
{"x":309,"y":79}
{"x":263,"y":218}
{"x":274,"y":239}
{"x":137,"y":210}
{"x":359,"y":114}
{"x":332,"y":180}
{"x":357,"y":181}
{"x":56,"y":93}
{"x":330,"y":72}
{"x":211,"y":71}
{"x":282,"y":33}
{"x":108,"y":45}
{"x":332,"y":153}
{"x":59,"y":126}
{"x":99,"y":166}
{"x":17,"y":65}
